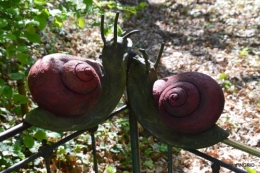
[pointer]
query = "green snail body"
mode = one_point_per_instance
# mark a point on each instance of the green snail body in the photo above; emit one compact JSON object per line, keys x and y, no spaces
{"x":144,"y":106}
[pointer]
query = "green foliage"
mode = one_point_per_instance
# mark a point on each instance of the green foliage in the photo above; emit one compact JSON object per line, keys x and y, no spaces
{"x":111,"y":169}
{"x":244,"y":52}
{"x":250,"y":170}
{"x":148,"y":163}
{"x":226,"y":83}
{"x":117,"y":6}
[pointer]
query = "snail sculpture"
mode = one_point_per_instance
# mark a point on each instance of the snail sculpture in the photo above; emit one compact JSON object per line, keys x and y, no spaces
{"x":180,"y":110}
{"x":75,"y":93}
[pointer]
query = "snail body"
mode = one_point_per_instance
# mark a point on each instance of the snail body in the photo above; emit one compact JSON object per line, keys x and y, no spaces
{"x":94,"y":86}
{"x":177,"y":109}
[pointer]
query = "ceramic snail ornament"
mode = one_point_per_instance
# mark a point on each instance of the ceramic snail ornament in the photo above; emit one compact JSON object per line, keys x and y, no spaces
{"x":180,"y":110}
{"x":76,"y":93}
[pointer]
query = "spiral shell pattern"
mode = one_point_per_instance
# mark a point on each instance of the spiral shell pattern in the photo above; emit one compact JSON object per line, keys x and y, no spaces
{"x":65,"y":85}
{"x":79,"y":77}
{"x":189,"y":102}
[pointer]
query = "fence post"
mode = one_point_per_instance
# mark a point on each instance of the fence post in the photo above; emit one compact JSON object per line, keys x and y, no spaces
{"x":169,"y":158}
{"x":134,"y":134}
{"x":94,"y":151}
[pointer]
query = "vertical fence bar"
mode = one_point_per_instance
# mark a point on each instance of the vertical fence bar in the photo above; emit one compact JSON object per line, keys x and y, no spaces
{"x":48,"y":165}
{"x":169,"y":158}
{"x":94,"y":151}
{"x":134,"y":134}
{"x":215,"y":168}
{"x":46,"y":154}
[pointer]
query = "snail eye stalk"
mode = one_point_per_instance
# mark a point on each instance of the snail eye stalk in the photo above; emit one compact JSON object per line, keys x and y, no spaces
{"x":159,"y":56}
{"x":115,"y":28}
{"x":102,"y":30}
{"x":128,"y":34}
{"x":145,"y":56}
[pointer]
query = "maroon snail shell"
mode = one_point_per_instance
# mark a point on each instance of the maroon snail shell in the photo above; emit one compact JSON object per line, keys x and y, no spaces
{"x":189,"y":102}
{"x":65,"y":85}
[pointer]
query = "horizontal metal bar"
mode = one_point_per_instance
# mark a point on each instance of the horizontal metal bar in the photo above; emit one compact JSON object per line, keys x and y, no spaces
{"x":122,"y":108}
{"x":21,"y":163}
{"x":214,"y":160}
{"x":242,"y":147}
{"x":14,"y":130}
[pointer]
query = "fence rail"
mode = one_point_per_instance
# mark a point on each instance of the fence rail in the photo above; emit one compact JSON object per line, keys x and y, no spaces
{"x":46,"y":150}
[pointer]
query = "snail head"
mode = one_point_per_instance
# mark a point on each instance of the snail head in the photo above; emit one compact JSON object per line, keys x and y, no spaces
{"x":142,"y":56}
{"x":118,"y":46}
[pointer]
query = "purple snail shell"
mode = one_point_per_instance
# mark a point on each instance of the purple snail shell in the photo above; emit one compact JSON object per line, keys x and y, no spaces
{"x":189,"y":102}
{"x":65,"y":85}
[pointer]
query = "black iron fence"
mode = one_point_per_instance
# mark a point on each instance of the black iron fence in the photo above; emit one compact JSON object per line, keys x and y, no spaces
{"x":46,"y":150}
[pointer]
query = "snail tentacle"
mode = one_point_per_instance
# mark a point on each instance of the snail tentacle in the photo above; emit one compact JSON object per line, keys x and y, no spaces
{"x":145,"y":56}
{"x":115,"y":28}
{"x":128,"y":34}
{"x":159,"y":56}
{"x":102,"y":29}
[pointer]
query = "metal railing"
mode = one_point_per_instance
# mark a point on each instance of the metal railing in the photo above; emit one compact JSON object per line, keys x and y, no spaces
{"x":46,"y":150}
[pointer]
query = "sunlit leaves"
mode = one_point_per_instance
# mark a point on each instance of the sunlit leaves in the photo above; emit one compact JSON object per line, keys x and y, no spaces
{"x":3,"y":23}
{"x":10,"y":50}
{"x":22,"y":48}
{"x":81,"y":22}
{"x":31,"y":29}
{"x":118,"y":6}
{"x":58,"y":21}
{"x":13,"y":11}
{"x":16,"y":76}
{"x":111,"y":169}
{"x":87,"y":2}
{"x":40,"y":135}
{"x":40,"y":2}
{"x":42,"y":21}
{"x":222,"y":76}
{"x":7,"y":91}
{"x":148,"y":163}
{"x":148,"y":151}
{"x":7,"y":37}
{"x":244,"y":52}
{"x":28,"y":141}
{"x":35,"y":38}
{"x":25,"y":58}
{"x":250,"y":170}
